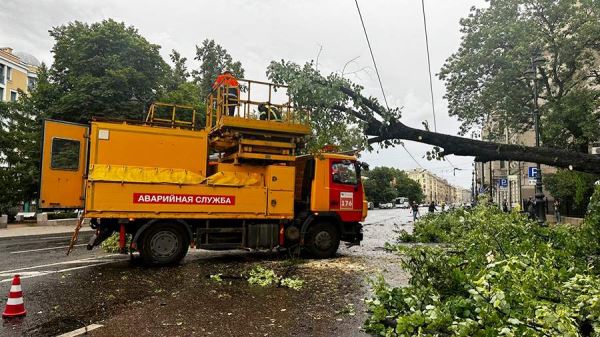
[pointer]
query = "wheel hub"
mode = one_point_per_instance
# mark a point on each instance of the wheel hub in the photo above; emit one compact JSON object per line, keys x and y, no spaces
{"x":164,"y":244}
{"x":323,"y":240}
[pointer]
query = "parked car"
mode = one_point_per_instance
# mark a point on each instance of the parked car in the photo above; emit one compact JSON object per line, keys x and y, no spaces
{"x":386,"y":205}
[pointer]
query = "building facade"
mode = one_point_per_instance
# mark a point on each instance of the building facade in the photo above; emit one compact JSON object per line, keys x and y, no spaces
{"x":513,"y":181}
{"x":437,"y":189}
{"x":462,"y":195}
{"x":16,"y":74}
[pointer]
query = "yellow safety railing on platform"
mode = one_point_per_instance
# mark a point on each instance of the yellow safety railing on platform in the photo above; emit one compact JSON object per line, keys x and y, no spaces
{"x":157,"y":112}
{"x":232,"y":101}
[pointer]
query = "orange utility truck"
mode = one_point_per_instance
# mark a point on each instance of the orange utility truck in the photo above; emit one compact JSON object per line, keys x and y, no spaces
{"x":236,"y":181}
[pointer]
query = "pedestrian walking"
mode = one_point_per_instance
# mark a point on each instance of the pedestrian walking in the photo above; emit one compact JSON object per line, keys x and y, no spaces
{"x":504,"y":206}
{"x":431,"y":207}
{"x":415,"y":210}
{"x":557,"y":210}
{"x":530,"y":208}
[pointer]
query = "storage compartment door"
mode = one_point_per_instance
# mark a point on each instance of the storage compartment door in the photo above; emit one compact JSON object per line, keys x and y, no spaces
{"x":63,"y":170}
{"x":281,"y":203}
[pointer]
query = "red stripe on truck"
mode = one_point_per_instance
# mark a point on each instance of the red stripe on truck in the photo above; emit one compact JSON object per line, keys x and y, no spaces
{"x":185,"y":199}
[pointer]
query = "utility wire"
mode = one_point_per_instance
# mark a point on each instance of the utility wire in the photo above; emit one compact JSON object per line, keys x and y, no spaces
{"x":429,"y":65}
{"x":377,"y":72}
{"x":430,"y":77}
{"x":371,"y":51}
{"x":413,"y":158}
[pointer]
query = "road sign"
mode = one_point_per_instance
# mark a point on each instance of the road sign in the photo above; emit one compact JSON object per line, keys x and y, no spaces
{"x":503,"y":183}
{"x":532,"y":172}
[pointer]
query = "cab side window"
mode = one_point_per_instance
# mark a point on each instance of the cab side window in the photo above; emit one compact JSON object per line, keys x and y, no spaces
{"x":65,"y":154}
{"x":344,"y":173}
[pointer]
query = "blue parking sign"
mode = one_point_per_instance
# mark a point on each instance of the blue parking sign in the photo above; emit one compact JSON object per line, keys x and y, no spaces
{"x":503,"y":182}
{"x":532,"y":172}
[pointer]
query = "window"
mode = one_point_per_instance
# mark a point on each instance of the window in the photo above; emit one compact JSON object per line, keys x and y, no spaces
{"x":13,"y":96}
{"x":65,"y":154}
{"x":1,"y":75}
{"x":344,"y":173}
{"x":8,"y":73}
{"x":1,"y":94}
{"x":31,"y":81}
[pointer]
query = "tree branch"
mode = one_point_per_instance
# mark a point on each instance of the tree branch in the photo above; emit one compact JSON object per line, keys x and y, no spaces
{"x":482,"y":150}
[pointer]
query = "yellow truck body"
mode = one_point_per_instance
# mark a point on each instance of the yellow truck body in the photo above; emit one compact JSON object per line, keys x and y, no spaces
{"x":138,"y":171}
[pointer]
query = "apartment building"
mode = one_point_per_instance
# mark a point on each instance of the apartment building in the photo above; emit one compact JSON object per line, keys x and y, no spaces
{"x":437,"y":189}
{"x":17,"y":73}
{"x":462,"y":195}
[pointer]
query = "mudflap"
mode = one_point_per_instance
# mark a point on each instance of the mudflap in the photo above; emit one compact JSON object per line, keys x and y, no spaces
{"x":102,"y":233}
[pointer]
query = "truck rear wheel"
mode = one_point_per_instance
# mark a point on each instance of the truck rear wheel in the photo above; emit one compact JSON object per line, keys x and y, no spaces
{"x":322,"y":240}
{"x":164,"y":244}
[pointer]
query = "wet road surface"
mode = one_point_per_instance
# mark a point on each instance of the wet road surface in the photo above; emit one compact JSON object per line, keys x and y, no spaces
{"x":66,"y":293}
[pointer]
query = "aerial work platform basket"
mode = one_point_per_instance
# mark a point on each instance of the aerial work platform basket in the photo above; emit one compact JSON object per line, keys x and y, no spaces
{"x":254,"y":121}
{"x":172,"y":115}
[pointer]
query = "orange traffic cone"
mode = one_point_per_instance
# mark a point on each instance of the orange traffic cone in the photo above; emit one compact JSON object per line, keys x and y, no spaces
{"x":14,"y":305}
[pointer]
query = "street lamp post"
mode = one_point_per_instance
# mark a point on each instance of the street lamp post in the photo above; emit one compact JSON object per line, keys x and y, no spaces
{"x":540,"y":209}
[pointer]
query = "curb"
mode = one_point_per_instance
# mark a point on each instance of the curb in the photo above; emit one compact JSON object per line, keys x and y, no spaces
{"x":67,"y":235}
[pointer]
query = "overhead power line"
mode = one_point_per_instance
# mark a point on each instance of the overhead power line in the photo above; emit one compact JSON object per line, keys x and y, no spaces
{"x":413,"y":158}
{"x":431,"y":77}
{"x":371,"y":51}
{"x":377,"y":72}
{"x":429,"y":64}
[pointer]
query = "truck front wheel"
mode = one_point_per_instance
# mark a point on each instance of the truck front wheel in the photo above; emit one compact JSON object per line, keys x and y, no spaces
{"x":164,"y":244}
{"x":322,"y":240}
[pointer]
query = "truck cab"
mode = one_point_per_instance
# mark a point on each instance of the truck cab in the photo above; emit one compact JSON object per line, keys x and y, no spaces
{"x":329,"y":192}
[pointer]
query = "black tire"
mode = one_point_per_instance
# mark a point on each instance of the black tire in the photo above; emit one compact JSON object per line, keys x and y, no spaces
{"x":164,"y":244}
{"x":322,"y":240}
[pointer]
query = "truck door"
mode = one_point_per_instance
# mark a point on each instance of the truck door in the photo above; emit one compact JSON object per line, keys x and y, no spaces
{"x":63,"y":169}
{"x":345,"y":190}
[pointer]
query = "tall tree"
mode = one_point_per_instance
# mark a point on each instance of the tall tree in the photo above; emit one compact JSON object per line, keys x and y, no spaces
{"x":574,"y":189}
{"x":19,"y":152}
{"x":214,"y":59}
{"x":105,"y":69}
{"x":485,"y":79}
{"x":179,"y":73}
{"x":180,"y":90}
{"x":378,"y":185}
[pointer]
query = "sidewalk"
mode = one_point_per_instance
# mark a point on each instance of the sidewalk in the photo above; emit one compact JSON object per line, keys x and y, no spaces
{"x":15,"y":230}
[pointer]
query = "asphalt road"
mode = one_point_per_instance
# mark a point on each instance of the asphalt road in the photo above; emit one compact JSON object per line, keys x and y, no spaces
{"x":64,"y":293}
{"x":30,"y":256}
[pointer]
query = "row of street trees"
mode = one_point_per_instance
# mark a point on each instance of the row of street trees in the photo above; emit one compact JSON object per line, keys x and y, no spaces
{"x":384,"y":184}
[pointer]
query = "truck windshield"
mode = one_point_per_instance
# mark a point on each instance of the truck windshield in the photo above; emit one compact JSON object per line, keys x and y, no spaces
{"x":344,"y":173}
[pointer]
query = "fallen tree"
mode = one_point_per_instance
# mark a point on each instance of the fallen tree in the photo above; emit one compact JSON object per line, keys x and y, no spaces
{"x":339,"y":111}
{"x":483,"y":151}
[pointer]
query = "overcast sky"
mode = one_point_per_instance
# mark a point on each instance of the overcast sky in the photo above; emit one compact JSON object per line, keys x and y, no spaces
{"x":256,"y":32}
